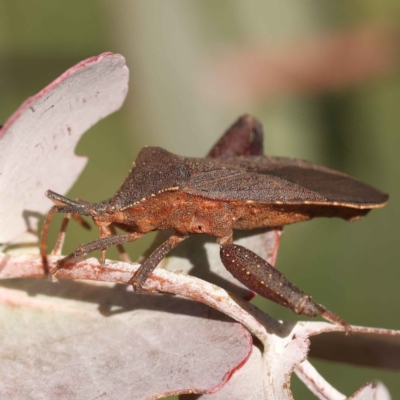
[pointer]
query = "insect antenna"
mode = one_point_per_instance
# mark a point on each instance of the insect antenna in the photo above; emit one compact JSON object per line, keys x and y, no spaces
{"x":84,"y":205}
{"x":68,"y":207}
{"x":58,"y":198}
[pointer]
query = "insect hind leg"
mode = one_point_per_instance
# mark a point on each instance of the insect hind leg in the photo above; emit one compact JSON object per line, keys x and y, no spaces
{"x":261,"y":277}
{"x":244,"y":137}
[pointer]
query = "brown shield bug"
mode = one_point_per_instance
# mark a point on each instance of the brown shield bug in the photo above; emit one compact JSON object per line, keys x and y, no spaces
{"x":235,"y":187}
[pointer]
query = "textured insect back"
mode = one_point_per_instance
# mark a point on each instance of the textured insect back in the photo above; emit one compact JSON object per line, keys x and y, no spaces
{"x":156,"y":171}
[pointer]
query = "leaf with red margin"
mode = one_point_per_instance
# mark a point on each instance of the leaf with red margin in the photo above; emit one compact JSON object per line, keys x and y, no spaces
{"x":247,"y":383}
{"x":372,"y":391}
{"x":56,"y":343}
{"x":285,"y":346}
{"x":37,"y":142}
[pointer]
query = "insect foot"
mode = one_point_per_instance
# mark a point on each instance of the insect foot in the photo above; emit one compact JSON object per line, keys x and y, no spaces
{"x":258,"y":275}
{"x":137,"y":288}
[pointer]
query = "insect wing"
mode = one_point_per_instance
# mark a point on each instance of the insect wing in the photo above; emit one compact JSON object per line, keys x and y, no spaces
{"x":283,"y":180}
{"x":241,"y":185}
{"x":334,"y":187}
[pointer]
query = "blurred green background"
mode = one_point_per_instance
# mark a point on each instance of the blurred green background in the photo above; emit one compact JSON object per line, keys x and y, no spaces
{"x":183,"y":95}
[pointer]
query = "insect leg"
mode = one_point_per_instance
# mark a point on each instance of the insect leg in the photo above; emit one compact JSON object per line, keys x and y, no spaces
{"x":105,"y":231}
{"x":258,"y":275}
{"x":123,"y":255}
{"x":226,"y":240}
{"x":45,"y":231}
{"x":98,"y":245}
{"x":244,"y":137}
{"x":43,"y":241}
{"x":145,"y":270}
{"x":61,"y":236}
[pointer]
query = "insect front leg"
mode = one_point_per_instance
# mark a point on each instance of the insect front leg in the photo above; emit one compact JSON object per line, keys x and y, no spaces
{"x":57,"y":249}
{"x":258,"y":275}
{"x":145,"y":270}
{"x":45,"y":230}
{"x":98,"y":245}
{"x":63,"y":205}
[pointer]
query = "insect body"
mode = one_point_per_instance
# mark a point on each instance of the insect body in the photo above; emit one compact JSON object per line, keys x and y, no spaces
{"x":235,"y":187}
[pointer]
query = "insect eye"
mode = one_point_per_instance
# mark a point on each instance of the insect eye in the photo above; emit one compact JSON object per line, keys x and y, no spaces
{"x":110,"y":209}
